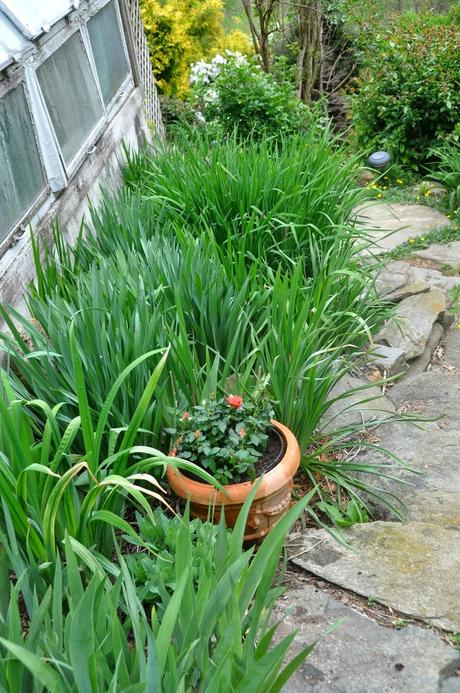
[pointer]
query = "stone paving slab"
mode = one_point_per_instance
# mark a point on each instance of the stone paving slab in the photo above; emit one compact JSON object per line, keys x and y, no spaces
{"x":431,"y":458}
{"x":364,"y":405}
{"x":433,"y":492}
{"x":392,"y":224}
{"x":440,"y":505}
{"x":359,"y":655}
{"x":443,"y":253}
{"x":390,"y":360}
{"x":413,"y":568}
{"x":451,"y":685}
{"x":410,"y":327}
{"x":422,"y":362}
{"x":430,"y":448}
{"x":398,"y":280}
{"x":432,"y":394}
{"x":452,"y":353}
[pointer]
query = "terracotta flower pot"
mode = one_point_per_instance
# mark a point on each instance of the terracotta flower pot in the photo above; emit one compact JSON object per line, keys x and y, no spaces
{"x":271,"y":501}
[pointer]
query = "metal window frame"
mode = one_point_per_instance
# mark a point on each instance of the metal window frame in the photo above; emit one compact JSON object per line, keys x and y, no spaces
{"x":78,"y":22}
{"x":71,"y":166}
{"x":56,"y":172}
{"x":47,"y":141}
{"x":19,"y":226}
{"x":129,"y":38}
{"x":128,"y":84}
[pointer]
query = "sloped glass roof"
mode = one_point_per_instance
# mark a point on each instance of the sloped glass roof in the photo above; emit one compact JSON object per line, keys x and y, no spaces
{"x":12,"y":42}
{"x":24,"y":20}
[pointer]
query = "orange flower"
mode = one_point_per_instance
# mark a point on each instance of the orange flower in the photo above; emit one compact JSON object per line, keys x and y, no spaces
{"x":197,"y":434}
{"x":185,"y":416}
{"x":234,"y":401}
{"x":242,"y":432}
{"x":172,"y":452}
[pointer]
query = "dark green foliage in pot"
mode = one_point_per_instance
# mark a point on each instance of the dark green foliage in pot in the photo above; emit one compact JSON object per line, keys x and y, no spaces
{"x":408,"y":97}
{"x":225,"y":436}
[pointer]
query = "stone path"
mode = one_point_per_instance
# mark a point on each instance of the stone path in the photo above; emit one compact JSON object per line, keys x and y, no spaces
{"x":361,"y":656}
{"x":444,"y":254}
{"x":412,"y":568}
{"x":389,"y":225}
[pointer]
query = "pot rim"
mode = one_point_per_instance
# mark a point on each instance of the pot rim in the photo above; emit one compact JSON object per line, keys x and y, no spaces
{"x":272,"y":481}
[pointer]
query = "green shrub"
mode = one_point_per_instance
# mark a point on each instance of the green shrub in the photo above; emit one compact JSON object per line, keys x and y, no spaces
{"x":447,"y":171}
{"x":176,"y":111}
{"x":234,"y":92}
{"x":184,"y":298}
{"x":256,"y":273}
{"x":408,"y":98}
{"x":454,"y":14}
{"x":439,"y":17}
{"x":179,"y":32}
{"x":222,"y":322}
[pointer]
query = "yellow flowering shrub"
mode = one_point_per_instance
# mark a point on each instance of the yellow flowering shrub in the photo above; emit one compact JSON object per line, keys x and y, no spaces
{"x":180,"y":32}
{"x":236,"y":41}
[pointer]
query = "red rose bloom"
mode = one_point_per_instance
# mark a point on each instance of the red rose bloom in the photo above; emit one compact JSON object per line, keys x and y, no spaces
{"x":234,"y":401}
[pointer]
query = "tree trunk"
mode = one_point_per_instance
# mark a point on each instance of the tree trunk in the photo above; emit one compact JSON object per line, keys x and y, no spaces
{"x":260,"y":30}
{"x":247,"y":6}
{"x":300,"y":70}
{"x":309,"y":68}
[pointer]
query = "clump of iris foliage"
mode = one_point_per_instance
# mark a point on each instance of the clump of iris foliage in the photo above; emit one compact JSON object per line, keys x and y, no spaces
{"x":83,"y":623}
{"x":217,"y":266}
{"x":241,"y":257}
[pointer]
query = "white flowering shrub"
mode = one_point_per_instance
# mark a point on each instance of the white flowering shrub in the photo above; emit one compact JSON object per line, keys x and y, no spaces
{"x":203,"y":73}
{"x":233,"y":92}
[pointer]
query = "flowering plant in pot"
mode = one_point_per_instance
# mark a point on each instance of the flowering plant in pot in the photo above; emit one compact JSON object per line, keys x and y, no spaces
{"x":237,"y":441}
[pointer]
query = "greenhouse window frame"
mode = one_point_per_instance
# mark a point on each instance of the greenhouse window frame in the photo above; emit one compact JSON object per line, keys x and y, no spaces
{"x":78,"y":22}
{"x":18,"y":229}
{"x":57,"y":172}
{"x":50,"y":48}
{"x":129,"y":82}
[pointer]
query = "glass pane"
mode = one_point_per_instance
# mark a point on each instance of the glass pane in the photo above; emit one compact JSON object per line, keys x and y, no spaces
{"x":70,"y":95}
{"x":21,"y":176}
{"x":109,"y":55}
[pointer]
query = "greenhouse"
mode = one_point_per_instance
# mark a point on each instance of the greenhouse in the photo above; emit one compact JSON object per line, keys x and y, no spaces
{"x":68,"y":72}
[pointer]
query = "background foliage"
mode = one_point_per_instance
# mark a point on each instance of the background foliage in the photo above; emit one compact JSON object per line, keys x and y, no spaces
{"x":241,"y":95}
{"x":408,"y":98}
{"x":179,"y":32}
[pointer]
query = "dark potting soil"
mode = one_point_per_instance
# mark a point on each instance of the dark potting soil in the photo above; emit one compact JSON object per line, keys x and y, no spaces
{"x":276,"y":447}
